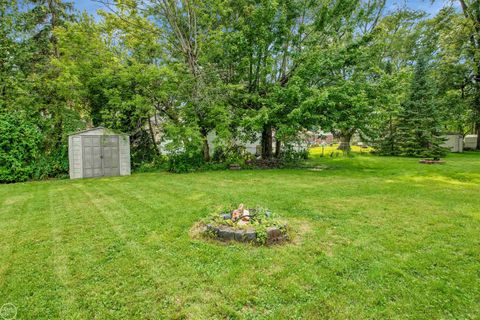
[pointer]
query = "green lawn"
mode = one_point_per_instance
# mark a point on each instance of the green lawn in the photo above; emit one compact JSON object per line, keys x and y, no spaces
{"x":376,"y":238}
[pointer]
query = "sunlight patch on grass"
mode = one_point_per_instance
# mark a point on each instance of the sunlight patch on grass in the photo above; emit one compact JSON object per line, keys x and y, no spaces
{"x":431,"y":180}
{"x":328,"y":150}
{"x":15,"y":200}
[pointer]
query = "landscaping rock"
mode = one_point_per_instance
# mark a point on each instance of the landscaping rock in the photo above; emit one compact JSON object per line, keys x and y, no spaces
{"x":273,"y":232}
{"x":226,"y":233}
{"x":250,"y":235}
{"x":430,"y":161}
{"x":240,"y":235}
{"x":275,"y":235}
{"x":212,"y":228}
{"x":276,"y":240}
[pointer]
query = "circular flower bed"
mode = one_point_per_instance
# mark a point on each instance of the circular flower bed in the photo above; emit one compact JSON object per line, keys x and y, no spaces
{"x":432,"y":161}
{"x":256,"y":225}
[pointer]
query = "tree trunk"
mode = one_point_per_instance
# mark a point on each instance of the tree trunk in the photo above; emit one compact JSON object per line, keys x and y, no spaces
{"x":57,"y":132}
{"x":478,"y":135}
{"x":278,"y":146}
{"x":345,"y":142}
{"x":53,"y":23}
{"x":206,"y":149}
{"x":152,"y":136}
{"x":392,"y":142}
{"x":476,"y":107}
{"x":267,"y":151}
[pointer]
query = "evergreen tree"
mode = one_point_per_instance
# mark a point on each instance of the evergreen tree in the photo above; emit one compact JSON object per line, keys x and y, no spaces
{"x":54,"y":112}
{"x":419,"y":128}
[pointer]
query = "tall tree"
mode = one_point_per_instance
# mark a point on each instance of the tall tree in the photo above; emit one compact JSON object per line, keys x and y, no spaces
{"x":397,"y":37}
{"x":419,"y":130}
{"x":190,"y":30}
{"x":342,"y":71}
{"x":52,"y":108}
{"x":452,"y":69}
{"x":471,"y":12}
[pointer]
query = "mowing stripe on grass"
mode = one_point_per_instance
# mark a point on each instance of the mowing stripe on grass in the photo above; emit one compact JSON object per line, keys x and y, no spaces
{"x":137,"y":263}
{"x":29,"y":282}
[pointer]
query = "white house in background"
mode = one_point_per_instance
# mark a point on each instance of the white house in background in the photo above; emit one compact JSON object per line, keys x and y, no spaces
{"x":471,"y":142}
{"x":253,"y":147}
{"x":454,"y":142}
{"x":318,"y":137}
{"x":250,"y":147}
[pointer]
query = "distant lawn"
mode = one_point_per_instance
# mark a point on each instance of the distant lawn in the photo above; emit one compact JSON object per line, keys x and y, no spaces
{"x":378,"y":238}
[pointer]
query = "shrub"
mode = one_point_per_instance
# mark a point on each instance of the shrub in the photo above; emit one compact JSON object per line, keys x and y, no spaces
{"x":159,"y":162}
{"x":53,"y":165}
{"x":19,"y":148}
{"x":290,"y":156}
{"x":231,"y":155}
{"x":185,"y":162}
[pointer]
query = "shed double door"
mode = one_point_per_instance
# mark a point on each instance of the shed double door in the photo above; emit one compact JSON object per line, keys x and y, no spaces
{"x":101,"y":156}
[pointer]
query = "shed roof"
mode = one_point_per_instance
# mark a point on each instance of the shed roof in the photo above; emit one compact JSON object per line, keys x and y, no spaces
{"x":453,"y":134}
{"x":110,"y":131}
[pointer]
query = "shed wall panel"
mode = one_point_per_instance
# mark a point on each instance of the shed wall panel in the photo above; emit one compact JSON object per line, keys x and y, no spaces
{"x":75,"y":150}
{"x":70,"y":158}
{"x":124,"y":145}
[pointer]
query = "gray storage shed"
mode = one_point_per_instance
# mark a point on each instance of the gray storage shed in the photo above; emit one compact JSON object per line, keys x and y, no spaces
{"x":453,"y":142}
{"x":98,"y":152}
{"x":471,"y":141}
